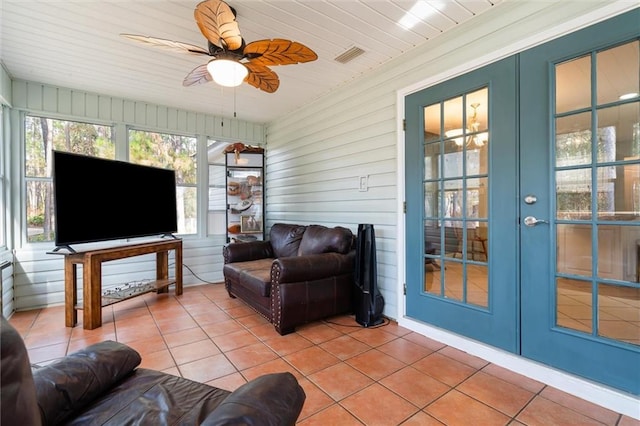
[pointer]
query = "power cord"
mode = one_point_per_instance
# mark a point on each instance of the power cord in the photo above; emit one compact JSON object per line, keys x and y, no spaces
{"x":196,"y":275}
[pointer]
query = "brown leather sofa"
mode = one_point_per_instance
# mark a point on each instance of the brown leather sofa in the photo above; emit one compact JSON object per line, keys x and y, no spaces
{"x":100,"y":385}
{"x":302,"y":273}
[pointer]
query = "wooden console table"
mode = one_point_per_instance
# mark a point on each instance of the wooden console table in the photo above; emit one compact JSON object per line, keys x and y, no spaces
{"x":91,"y":262}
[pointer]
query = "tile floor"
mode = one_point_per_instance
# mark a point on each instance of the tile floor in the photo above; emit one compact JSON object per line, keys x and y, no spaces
{"x":352,"y":375}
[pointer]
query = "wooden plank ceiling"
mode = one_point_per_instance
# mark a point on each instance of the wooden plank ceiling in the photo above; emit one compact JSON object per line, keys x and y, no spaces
{"x":76,"y":44}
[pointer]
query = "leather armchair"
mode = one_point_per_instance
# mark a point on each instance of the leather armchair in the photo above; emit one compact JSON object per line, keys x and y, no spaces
{"x":301,"y":274}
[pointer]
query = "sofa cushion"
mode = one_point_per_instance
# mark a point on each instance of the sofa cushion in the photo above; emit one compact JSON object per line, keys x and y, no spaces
{"x":255,"y":275}
{"x":285,"y":239}
{"x":318,"y":239}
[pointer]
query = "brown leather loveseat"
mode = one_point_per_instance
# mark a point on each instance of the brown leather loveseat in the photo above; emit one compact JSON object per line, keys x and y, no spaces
{"x":303,"y":273}
{"x":100,"y":385}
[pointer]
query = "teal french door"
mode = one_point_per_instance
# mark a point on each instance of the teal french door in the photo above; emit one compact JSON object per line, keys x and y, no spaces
{"x":580,"y":155}
{"x":523,"y":204}
{"x":461,"y":211}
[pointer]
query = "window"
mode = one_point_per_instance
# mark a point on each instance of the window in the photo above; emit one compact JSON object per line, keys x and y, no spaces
{"x":42,"y":136}
{"x":172,"y":152}
{"x":217,"y":205}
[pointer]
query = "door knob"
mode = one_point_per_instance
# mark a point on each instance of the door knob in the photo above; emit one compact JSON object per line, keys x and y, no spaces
{"x":532,"y":221}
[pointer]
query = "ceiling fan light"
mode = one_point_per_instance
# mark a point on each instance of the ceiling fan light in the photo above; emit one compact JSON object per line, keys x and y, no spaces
{"x":226,"y":72}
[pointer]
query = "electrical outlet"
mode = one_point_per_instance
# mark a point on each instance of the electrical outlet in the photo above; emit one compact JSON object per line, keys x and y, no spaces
{"x":364,"y":183}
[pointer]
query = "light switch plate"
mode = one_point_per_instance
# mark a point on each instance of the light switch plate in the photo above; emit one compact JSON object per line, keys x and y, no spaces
{"x":364,"y":183}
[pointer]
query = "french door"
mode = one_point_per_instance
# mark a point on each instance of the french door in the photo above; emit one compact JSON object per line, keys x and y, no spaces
{"x":461,"y":215}
{"x":580,"y":203}
{"x":523,"y":204}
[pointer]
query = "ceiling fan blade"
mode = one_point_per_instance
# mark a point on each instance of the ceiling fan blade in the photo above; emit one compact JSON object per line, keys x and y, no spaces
{"x":278,"y":52}
{"x":218,"y":24}
{"x":199,"y":75}
{"x":175,"y":46}
{"x":262,"y":77}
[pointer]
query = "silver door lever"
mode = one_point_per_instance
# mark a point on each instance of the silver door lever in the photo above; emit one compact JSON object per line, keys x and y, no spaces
{"x":532,"y":221}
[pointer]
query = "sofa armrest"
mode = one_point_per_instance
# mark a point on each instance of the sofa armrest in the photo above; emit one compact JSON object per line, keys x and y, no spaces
{"x":73,"y":382}
{"x":272,"y":399}
{"x":244,"y":252}
{"x":311,"y":267}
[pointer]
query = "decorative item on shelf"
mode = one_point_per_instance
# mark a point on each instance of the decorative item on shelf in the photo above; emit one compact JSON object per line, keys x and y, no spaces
{"x":233,"y":188}
{"x":244,"y":238}
{"x":243,"y":205}
{"x":256,"y":190}
{"x":234,"y":228}
{"x":249,"y":223}
{"x":129,"y":290}
{"x":239,"y":147}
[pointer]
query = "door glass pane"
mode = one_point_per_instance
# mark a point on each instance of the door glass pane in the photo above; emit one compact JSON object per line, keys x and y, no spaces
{"x":477,"y":291}
{"x":453,"y":126}
{"x":618,"y":252}
{"x":574,"y":249}
{"x":597,"y":181}
{"x":573,"y":140}
{"x":618,"y":137}
{"x":619,"y":313}
{"x":432,"y":124}
{"x":618,"y":192}
{"x":573,"y":84}
{"x":456,"y":181}
{"x":617,"y":72}
{"x":574,"y":303}
{"x":432,"y":160}
{"x":573,"y":194}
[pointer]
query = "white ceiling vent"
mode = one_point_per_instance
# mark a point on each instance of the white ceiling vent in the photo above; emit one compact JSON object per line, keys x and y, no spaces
{"x":349,"y":55}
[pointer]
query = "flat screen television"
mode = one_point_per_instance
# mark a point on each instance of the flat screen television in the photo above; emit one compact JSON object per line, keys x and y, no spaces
{"x":99,"y":200}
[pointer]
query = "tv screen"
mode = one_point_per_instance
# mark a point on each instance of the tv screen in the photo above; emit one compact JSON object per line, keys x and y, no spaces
{"x":99,"y":200}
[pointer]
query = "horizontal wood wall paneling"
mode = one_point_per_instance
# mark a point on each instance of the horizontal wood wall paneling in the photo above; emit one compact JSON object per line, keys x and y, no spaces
{"x":6,"y":277}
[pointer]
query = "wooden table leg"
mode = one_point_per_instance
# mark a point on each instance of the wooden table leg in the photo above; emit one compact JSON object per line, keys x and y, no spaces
{"x":178,"y":262}
{"x":162,"y":269}
{"x":92,"y":297}
{"x":70,"y":292}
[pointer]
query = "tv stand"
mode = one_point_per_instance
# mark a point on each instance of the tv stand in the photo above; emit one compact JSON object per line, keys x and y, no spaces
{"x":91,"y":261}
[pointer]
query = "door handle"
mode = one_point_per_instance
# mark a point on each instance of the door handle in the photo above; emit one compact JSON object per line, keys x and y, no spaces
{"x":532,"y":221}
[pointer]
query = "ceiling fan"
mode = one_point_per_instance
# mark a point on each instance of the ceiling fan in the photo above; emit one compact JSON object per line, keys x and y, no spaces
{"x":234,"y":61}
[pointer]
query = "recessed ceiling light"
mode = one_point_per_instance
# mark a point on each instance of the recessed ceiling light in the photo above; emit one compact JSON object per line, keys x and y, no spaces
{"x":628,"y":96}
